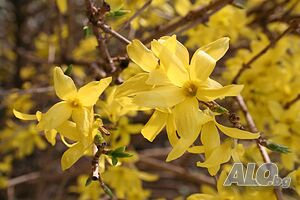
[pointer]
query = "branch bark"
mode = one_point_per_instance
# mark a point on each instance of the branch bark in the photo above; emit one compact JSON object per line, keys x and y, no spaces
{"x":177,"y":171}
{"x":293,"y":25}
{"x":193,"y":15}
{"x":261,"y":148}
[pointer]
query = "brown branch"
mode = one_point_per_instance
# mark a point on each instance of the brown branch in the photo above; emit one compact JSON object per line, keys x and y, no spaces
{"x":96,"y":15}
{"x":28,"y":91}
{"x":290,"y":103}
{"x":193,"y":15}
{"x":103,"y":49}
{"x":177,"y":171}
{"x":109,"y":30}
{"x":202,"y":20}
{"x":99,"y":149}
{"x":261,"y":148}
{"x":293,"y":25}
{"x":24,"y":178}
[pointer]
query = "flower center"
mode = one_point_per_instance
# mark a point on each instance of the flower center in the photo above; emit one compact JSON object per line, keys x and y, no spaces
{"x":190,"y":89}
{"x":75,"y":103}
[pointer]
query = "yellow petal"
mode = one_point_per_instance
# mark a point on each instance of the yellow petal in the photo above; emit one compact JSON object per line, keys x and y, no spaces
{"x":82,"y":118}
{"x":89,"y":94}
{"x":55,"y":116}
{"x":158,"y":77}
{"x":65,"y":142}
{"x":276,"y":109}
{"x":178,"y":49}
{"x":133,"y":85}
{"x":38,"y":115}
{"x":161,"y":97}
{"x":187,"y":118}
{"x":201,"y":66}
{"x":115,"y":5}
{"x":217,"y":49}
{"x":178,"y":150}
{"x":210,"y":137}
{"x":156,"y":47}
{"x":63,"y":85}
{"x":213,"y":170}
{"x":155,"y":124}
{"x":68,"y":129}
{"x":51,"y":136}
{"x":220,"y":155}
{"x":71,"y":156}
{"x":182,"y":7}
{"x":147,"y":176}
{"x":175,"y":47}
{"x":237,"y":133}
{"x":142,"y":56}
{"x":171,"y":130}
{"x":24,"y":116}
{"x":237,"y":152}
{"x":210,"y":83}
{"x":196,"y":149}
{"x":62,"y":5}
{"x":210,"y":94}
{"x":175,"y":69}
{"x":202,"y":197}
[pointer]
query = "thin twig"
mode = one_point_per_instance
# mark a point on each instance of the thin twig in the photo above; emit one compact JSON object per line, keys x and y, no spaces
{"x":290,"y":103}
{"x":103,"y":48}
{"x":254,"y":129}
{"x":109,"y":30}
{"x":177,"y":171}
{"x":22,"y":179}
{"x":28,"y":91}
{"x":193,"y":15}
{"x":95,"y":16}
{"x":202,"y":20}
{"x":247,"y":65}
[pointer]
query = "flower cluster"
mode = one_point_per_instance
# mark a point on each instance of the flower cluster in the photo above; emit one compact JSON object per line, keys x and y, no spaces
{"x":177,"y":88}
{"x":72,"y":118}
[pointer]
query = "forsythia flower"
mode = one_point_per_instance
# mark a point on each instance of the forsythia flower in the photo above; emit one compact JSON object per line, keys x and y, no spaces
{"x":215,"y":153}
{"x":173,"y":86}
{"x":77,"y":104}
{"x":49,"y":134}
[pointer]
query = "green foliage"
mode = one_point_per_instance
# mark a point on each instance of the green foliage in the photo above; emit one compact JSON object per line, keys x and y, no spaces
{"x":278,"y":147}
{"x":118,"y":13}
{"x":87,"y":31}
{"x":69,"y":69}
{"x":118,"y":153}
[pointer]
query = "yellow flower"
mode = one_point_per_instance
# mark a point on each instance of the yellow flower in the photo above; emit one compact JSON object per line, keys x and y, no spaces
{"x":67,"y":130}
{"x":76,"y":150}
{"x":180,"y":79}
{"x":215,"y":153}
{"x":49,"y":134}
{"x":77,"y":104}
{"x":178,"y":85}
